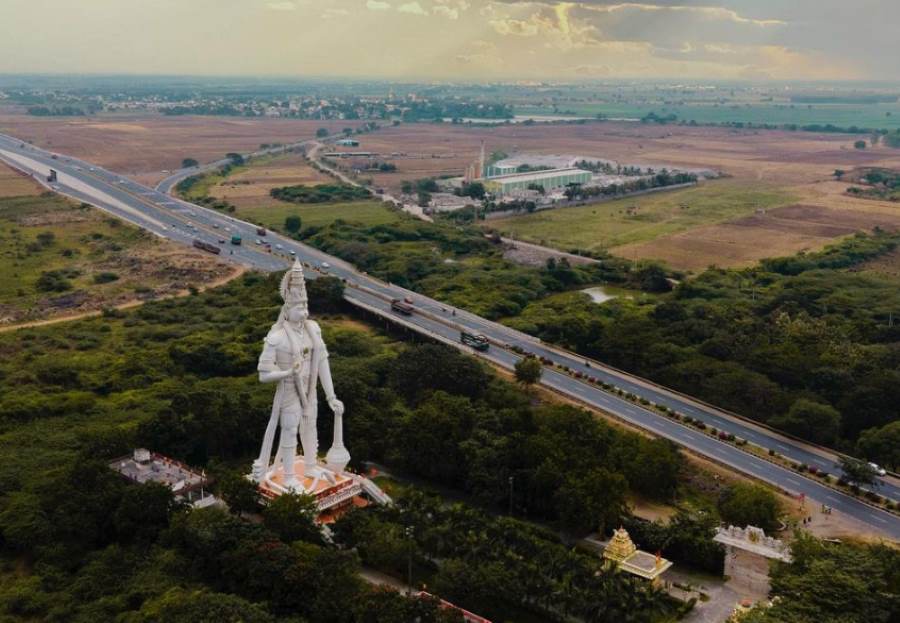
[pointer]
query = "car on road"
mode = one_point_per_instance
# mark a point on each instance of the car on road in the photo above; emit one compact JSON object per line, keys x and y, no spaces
{"x":258,"y":241}
{"x":326,"y":265}
{"x":293,"y":253}
{"x":878,"y":469}
{"x":278,"y":246}
{"x":221,"y":241}
{"x":215,"y":226}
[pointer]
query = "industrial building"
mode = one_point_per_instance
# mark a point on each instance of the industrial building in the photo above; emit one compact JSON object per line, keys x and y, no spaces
{"x":550,"y":180}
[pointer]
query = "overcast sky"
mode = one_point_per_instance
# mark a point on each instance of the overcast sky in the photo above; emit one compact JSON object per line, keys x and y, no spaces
{"x":456,"y":39}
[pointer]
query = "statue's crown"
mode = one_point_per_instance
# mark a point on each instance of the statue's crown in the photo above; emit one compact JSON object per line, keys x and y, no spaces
{"x":293,"y":285}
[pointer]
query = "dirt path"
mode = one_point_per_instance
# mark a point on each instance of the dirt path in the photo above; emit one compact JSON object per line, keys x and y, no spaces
{"x":237,"y":271}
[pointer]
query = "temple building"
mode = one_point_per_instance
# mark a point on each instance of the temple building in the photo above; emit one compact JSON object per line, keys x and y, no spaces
{"x":188,"y":484}
{"x":621,"y":552}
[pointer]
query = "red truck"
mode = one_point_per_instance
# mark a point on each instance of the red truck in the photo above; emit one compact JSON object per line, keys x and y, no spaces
{"x":403,"y":307}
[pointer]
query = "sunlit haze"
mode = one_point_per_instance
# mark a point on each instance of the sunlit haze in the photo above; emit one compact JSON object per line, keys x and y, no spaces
{"x":455,"y":39}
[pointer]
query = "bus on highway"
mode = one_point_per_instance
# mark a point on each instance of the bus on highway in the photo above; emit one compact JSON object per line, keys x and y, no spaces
{"x":476,"y":341}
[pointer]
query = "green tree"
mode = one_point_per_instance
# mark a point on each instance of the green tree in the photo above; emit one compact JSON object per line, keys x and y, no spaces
{"x":187,"y":163}
{"x":241,"y":494}
{"x":857,"y":472}
{"x":46,"y":238}
{"x":882,"y":445}
{"x":180,"y":605}
{"x":144,"y":512}
{"x":292,"y":223}
{"x":817,"y":422}
{"x":528,"y":370}
{"x":592,"y":501}
{"x":321,"y":132}
{"x":326,"y":295}
{"x":746,"y":504}
{"x":292,"y":517}
{"x":833,"y":583}
{"x":860,"y":144}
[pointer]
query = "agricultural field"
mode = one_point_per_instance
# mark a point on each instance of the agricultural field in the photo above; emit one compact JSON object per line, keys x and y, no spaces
{"x":247,"y":188}
{"x":764,"y":169}
{"x":63,"y":259}
{"x":142,"y":146}
{"x":775,"y":156}
{"x":873,"y":116}
{"x":744,"y":241}
{"x":641,"y":219}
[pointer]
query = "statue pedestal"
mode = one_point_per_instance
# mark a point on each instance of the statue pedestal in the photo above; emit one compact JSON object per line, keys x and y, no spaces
{"x":335,"y":491}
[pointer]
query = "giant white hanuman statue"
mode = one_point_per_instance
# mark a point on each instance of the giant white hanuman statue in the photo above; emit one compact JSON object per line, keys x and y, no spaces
{"x":295,"y":357}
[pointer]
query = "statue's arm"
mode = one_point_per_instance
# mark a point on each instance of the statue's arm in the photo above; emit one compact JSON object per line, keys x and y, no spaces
{"x":268,"y":371}
{"x":325,"y":374}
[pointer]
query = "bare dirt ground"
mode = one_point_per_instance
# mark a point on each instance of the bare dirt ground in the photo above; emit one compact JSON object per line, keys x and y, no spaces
{"x":237,"y":271}
{"x":250,"y":187}
{"x":144,"y":145}
{"x":745,"y":241}
{"x":777,"y":156}
{"x":14,"y":183}
{"x":90,"y":242}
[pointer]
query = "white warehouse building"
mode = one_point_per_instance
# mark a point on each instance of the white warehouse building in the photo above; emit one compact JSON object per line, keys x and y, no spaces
{"x":553,"y":179}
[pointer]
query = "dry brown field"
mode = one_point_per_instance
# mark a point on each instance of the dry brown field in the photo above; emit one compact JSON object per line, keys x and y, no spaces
{"x":13,"y":183}
{"x":142,"y":146}
{"x":744,"y":241}
{"x":249,"y":188}
{"x":800,"y":162}
{"x":90,"y":242}
{"x":773,"y":155}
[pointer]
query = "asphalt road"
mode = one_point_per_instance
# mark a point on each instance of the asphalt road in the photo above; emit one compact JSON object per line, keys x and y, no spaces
{"x":184,"y":222}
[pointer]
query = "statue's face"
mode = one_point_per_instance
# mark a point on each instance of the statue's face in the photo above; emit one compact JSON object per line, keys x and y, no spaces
{"x":297,"y":313}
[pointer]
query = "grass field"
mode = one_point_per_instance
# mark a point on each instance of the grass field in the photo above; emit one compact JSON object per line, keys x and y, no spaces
{"x":59,"y":258}
{"x":874,"y":116}
{"x":610,"y":224}
{"x":247,"y":189}
{"x":317,"y":214}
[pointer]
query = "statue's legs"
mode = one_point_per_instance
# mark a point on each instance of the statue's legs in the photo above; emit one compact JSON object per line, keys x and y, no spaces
{"x":290,"y":420}
{"x":309,"y":439}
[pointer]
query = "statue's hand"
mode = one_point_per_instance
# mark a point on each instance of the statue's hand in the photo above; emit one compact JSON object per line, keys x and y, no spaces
{"x":337,"y":406}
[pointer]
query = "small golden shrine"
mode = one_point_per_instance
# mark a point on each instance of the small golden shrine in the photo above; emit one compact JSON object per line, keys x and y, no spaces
{"x":621,"y":551}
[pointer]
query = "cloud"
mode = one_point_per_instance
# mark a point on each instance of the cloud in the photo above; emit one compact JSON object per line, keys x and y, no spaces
{"x":451,"y":9}
{"x":712,"y":13}
{"x":413,"y":8}
{"x":281,"y":5}
{"x":445,"y":11}
{"x":377,"y":5}
{"x":335,"y":13}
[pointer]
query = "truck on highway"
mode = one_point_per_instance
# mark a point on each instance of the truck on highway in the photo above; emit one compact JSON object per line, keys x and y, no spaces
{"x":236,"y":240}
{"x":403,"y":307}
{"x":476,"y":341}
{"x":199,"y":244}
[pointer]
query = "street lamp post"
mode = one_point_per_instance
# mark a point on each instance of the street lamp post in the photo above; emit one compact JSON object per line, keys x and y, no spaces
{"x":409,"y":537}
{"x":511,"y":481}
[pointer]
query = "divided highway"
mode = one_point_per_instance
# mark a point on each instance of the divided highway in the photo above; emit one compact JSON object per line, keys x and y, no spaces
{"x":183,"y":222}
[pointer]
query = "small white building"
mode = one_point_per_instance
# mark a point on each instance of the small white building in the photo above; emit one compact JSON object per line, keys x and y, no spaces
{"x":187,"y":484}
